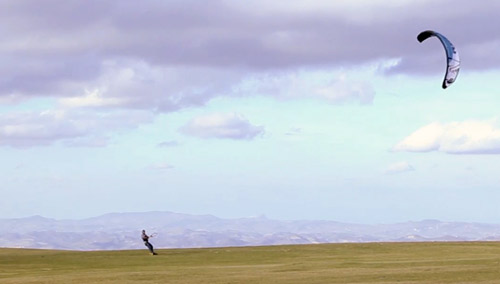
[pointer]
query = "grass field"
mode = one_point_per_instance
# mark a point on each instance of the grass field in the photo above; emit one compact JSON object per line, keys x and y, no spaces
{"x":471,"y":262}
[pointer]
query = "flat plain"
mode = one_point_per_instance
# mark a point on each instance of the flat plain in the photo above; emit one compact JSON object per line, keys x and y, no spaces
{"x":426,"y":262}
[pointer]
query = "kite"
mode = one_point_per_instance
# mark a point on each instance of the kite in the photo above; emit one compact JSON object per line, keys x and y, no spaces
{"x":453,"y":60}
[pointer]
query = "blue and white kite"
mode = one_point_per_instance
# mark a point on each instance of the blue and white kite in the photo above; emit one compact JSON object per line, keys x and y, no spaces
{"x":453,"y":61}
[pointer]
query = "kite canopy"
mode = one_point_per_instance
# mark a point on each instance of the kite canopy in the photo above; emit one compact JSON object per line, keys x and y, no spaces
{"x":453,"y":60}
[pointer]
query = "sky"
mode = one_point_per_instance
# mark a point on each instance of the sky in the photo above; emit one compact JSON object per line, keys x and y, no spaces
{"x":296,"y":109}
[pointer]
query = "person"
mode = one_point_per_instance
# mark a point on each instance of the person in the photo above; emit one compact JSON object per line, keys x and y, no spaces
{"x":145,"y":238}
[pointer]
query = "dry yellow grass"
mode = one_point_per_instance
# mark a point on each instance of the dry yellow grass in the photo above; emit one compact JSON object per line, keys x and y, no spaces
{"x":470,"y":262}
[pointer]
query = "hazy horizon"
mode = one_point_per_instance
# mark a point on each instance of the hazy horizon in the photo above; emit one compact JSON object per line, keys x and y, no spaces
{"x":322,"y":110}
{"x":263,"y":217}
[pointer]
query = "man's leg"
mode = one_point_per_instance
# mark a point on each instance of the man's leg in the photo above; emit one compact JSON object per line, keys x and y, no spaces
{"x":150,"y":247}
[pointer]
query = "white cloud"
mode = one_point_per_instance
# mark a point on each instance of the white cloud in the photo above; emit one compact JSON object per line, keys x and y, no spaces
{"x":222,"y":126}
{"x":136,"y":84}
{"x":294,"y":131}
{"x":170,"y":143}
{"x":342,"y":89}
{"x":91,"y":99}
{"x":397,"y":168}
{"x":74,"y":128}
{"x":332,"y":86}
{"x":468,"y":137}
{"x":161,"y":166}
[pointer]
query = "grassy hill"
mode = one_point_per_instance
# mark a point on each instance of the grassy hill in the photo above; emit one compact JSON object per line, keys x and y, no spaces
{"x":472,"y":262}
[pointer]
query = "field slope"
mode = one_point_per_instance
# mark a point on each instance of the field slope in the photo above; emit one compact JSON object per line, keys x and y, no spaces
{"x":471,"y":262}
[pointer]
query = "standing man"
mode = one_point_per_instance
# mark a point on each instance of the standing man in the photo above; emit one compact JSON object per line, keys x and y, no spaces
{"x":145,"y":238}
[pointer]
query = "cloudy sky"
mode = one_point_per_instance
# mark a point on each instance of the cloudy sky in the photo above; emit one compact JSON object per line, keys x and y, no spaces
{"x":294,"y":109}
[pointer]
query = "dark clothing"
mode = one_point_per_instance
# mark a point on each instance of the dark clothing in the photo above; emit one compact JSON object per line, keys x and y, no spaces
{"x":150,"y":247}
{"x":145,"y":238}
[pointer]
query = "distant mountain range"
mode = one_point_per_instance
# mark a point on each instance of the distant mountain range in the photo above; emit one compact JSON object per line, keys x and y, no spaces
{"x":118,"y":231}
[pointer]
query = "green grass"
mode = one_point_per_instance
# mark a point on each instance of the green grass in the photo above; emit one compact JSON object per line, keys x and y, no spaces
{"x":471,"y":262}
